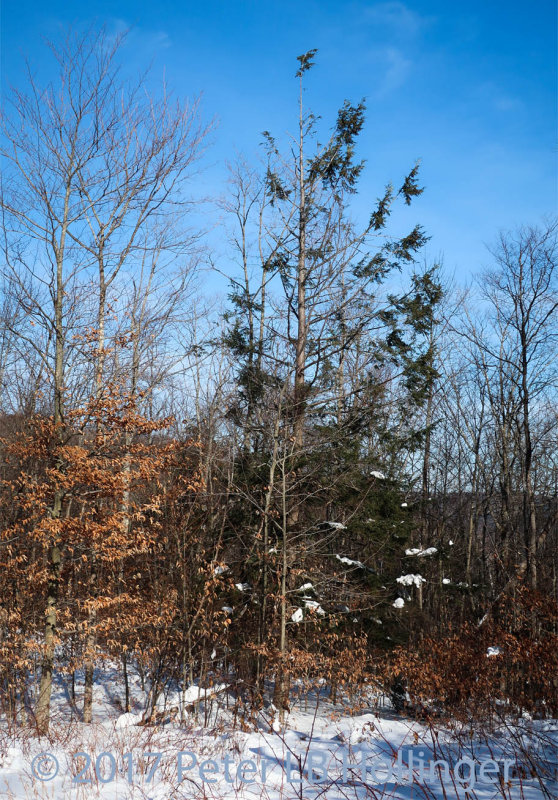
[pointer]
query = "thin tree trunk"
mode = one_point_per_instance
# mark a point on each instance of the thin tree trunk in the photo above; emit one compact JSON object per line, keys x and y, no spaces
{"x":91,"y":638}
{"x":55,"y":555}
{"x":42,"y":712}
{"x":282,"y":681}
{"x":300,"y":357}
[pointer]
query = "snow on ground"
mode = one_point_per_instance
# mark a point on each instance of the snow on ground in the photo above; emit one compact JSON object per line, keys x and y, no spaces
{"x":371,"y":753}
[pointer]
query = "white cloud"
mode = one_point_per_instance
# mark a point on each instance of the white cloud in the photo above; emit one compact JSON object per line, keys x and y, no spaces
{"x":397,"y":16}
{"x":397,"y":68}
{"x":140,"y":39}
{"x":506,"y":103}
{"x":491,"y":94}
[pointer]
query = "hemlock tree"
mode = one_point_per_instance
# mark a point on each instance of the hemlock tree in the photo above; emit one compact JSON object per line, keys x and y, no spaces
{"x":315,"y":311}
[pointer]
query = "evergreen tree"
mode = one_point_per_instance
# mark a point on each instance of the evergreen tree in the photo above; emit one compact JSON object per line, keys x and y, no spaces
{"x":320,"y":354}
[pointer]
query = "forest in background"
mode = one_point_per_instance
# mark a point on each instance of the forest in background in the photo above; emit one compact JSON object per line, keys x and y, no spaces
{"x":348,"y":473}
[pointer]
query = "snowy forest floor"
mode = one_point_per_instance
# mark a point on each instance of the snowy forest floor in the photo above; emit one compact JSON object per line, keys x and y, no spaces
{"x":323,"y":750}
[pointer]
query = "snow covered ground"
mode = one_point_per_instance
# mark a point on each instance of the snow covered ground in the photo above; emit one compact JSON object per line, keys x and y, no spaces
{"x":322,"y":751}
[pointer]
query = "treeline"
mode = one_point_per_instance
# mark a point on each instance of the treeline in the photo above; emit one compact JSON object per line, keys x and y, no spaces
{"x":348,"y":472}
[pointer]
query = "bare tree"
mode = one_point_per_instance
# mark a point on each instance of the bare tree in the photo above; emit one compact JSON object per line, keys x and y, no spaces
{"x":523,"y":293}
{"x":93,"y":165}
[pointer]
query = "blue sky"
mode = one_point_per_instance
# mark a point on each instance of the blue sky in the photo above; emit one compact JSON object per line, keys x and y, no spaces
{"x":470,"y":88}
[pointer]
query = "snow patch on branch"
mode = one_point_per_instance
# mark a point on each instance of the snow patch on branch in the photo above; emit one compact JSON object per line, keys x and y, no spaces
{"x":349,"y":561}
{"x":416,"y":551}
{"x":411,"y":580}
{"x":313,"y":605}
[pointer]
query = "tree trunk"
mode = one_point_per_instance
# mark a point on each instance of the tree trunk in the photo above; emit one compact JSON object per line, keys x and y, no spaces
{"x":282,"y":679}
{"x":45,"y":688}
{"x":42,"y":712}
